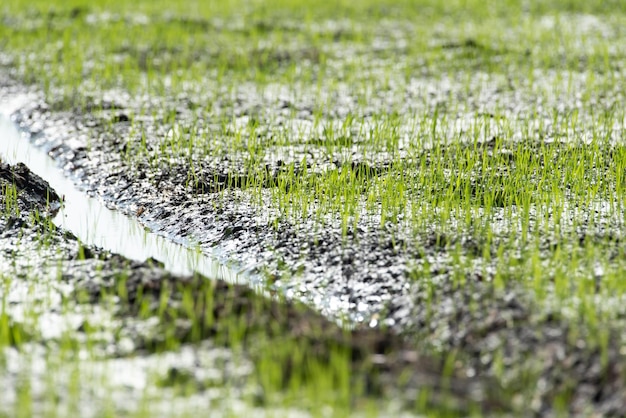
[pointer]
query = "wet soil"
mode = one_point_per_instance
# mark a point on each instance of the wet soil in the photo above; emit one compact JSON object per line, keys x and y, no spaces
{"x":194,"y":310}
{"x":498,"y":339}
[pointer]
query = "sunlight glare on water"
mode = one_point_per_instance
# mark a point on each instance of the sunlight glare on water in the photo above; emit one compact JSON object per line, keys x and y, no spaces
{"x":94,"y":224}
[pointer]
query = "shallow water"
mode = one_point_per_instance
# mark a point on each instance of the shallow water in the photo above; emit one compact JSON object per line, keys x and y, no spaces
{"x":94,"y":224}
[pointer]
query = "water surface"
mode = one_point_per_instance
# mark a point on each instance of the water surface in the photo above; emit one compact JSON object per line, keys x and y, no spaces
{"x":94,"y":224}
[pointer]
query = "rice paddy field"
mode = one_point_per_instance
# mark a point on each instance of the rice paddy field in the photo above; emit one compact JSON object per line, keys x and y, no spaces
{"x":419,"y":207}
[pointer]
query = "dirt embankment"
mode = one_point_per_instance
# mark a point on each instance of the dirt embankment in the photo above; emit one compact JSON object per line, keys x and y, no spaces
{"x":195,"y":309}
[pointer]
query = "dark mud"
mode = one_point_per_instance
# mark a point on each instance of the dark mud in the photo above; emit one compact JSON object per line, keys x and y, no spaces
{"x":494,"y":338}
{"x":34,"y":194}
{"x":193,"y":310}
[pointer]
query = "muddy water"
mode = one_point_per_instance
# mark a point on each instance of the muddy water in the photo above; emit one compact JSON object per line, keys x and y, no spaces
{"x":95,"y":224}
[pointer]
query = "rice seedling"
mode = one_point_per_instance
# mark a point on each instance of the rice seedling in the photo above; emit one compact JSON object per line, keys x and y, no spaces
{"x":456,"y":159}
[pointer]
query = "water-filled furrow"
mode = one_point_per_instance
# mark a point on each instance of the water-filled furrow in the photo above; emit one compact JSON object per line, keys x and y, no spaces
{"x":94,"y":224}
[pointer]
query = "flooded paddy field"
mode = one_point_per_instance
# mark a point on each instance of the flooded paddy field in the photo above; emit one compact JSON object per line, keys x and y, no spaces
{"x":400,"y":207}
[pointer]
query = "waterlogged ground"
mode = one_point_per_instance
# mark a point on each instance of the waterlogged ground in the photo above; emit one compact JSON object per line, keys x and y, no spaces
{"x":446,"y":179}
{"x":86,"y":332}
